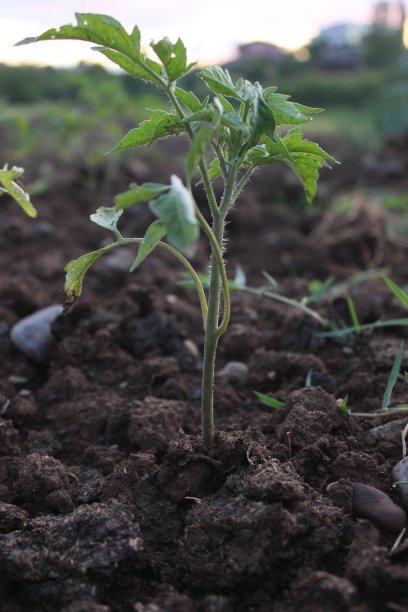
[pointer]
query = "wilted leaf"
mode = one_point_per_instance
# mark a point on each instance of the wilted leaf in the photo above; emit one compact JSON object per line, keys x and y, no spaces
{"x":153,"y":235}
{"x":107,"y":217}
{"x":76,"y":270}
{"x":8,"y":185}
{"x":175,"y":210}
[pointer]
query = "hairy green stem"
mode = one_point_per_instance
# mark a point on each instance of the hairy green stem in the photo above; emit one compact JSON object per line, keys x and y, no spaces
{"x":211,"y":339}
{"x":214,"y":330}
{"x":217,"y":253}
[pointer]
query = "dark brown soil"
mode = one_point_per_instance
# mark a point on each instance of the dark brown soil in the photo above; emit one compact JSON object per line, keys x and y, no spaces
{"x":108,"y":500}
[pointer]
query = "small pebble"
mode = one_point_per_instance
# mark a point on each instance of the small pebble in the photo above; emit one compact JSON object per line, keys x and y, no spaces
{"x":192,"y":348}
{"x":377,"y":507}
{"x":236,"y":372}
{"x":390,"y":432}
{"x":400,"y":474}
{"x":32,"y":335}
{"x":17,"y":380}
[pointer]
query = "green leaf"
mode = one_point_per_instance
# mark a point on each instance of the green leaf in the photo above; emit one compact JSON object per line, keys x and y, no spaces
{"x":286,"y":112}
{"x":226,"y":104}
{"x":100,"y":29}
{"x":397,"y":291}
{"x":176,"y":210}
{"x":304,"y":157}
{"x":137,"y":194}
{"x":173,"y":57}
{"x":107,"y":217}
{"x":392,"y":379}
{"x":261,"y":119}
{"x":189,"y":99}
{"x":200,"y":142}
{"x":234,"y":122}
{"x":219,"y":81}
{"x":344,"y":406}
{"x":9,"y":185}
{"x":153,"y":235}
{"x":214,"y":169}
{"x":133,"y":69}
{"x":159,"y":125}
{"x":76,"y":270}
{"x":269,"y":401}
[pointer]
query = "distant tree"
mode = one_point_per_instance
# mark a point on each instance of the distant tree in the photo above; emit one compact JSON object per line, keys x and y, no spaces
{"x":383,"y":44}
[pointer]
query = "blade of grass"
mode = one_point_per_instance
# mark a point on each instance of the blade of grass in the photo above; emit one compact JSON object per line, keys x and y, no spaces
{"x":269,"y":401}
{"x":392,"y":379}
{"x":397,"y":291}
{"x":353,"y":315}
{"x":344,"y":331}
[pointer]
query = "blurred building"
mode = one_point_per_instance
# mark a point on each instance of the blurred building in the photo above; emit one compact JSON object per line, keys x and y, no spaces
{"x":343,"y":46}
{"x":260,"y":50}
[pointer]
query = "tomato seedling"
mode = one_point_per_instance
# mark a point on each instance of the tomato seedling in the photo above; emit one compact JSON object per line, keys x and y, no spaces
{"x":233,"y":131}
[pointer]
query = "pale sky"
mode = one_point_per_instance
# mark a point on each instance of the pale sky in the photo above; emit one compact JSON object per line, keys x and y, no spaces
{"x":210,"y":29}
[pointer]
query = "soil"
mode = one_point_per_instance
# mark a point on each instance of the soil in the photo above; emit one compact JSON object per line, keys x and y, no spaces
{"x":109,"y":501}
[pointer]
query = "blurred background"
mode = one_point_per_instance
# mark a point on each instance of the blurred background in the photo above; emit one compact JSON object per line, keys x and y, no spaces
{"x":60,"y":104}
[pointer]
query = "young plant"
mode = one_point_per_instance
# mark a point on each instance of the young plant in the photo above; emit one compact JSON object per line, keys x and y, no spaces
{"x":233,"y":132}
{"x":9,"y":184}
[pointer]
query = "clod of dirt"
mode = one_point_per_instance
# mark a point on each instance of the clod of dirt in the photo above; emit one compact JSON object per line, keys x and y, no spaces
{"x":377,"y":507}
{"x":154,"y":422}
{"x":152,"y":333}
{"x":323,"y":592}
{"x":23,"y":409}
{"x":240,"y":341}
{"x":11,"y":517}
{"x":311,"y":413}
{"x":369,"y":565}
{"x":400,"y":474}
{"x":32,"y":335}
{"x":9,"y":442}
{"x":41,"y":483}
{"x":85,"y":551}
{"x":253,"y":528}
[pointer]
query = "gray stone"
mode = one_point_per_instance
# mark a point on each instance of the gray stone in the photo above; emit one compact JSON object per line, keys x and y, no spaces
{"x":32,"y":335}
{"x":236,"y":372}
{"x":377,"y":507}
{"x":390,"y":432}
{"x":400,"y":474}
